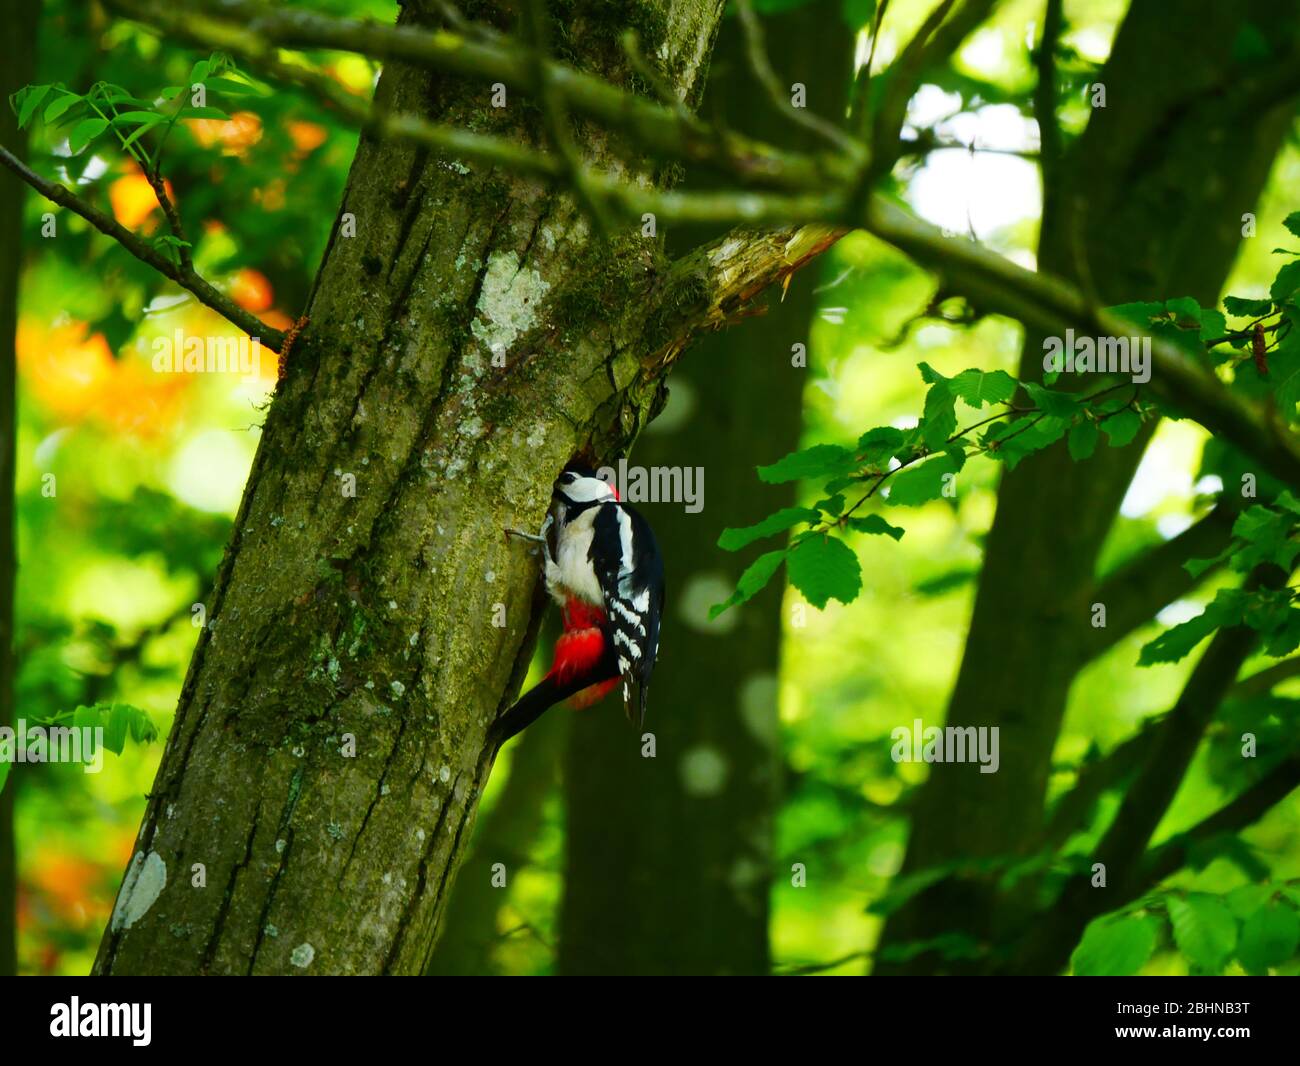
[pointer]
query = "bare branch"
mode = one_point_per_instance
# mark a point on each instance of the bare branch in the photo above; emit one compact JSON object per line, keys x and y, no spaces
{"x":762,"y":68}
{"x":1049,"y":126}
{"x":184,"y":276}
{"x":247,"y":29}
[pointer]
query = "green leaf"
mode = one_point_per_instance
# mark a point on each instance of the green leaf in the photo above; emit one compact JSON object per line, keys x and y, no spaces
{"x":1292,"y":223}
{"x":141,"y":130}
{"x":1241,"y":307}
{"x":1228,"y":608}
{"x":978,"y":387}
{"x":923,"y":482}
{"x":32,"y":97}
{"x":4,"y":774}
{"x":231,"y":87}
{"x":116,"y":728}
{"x":85,"y":132}
{"x":1269,"y":937}
{"x":751,"y":582}
{"x":1052,"y":401}
{"x":60,"y":105}
{"x":824,"y":568}
{"x":1121,"y":427}
{"x":1286,"y":283}
{"x":877,"y":446}
{"x":1204,"y":930}
{"x":1083,"y":438}
{"x":1012,"y":441}
{"x":1115,"y":947}
{"x":199,"y":71}
{"x":1247,"y":899}
{"x":1197,"y":567}
{"x":735,"y":539}
{"x":874,"y":523}
{"x":833,"y":505}
{"x":939,"y":420}
{"x":821,"y":460}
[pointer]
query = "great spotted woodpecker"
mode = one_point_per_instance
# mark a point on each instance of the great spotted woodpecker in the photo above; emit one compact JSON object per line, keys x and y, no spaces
{"x":603,"y":567}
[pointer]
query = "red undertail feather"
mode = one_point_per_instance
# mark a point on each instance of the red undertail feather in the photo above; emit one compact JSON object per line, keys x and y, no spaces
{"x":579,"y":649}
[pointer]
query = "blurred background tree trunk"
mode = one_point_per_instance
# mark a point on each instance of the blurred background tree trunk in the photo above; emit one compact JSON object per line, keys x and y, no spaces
{"x":17,"y":68}
{"x":669,"y":859}
{"x":1166,"y":170}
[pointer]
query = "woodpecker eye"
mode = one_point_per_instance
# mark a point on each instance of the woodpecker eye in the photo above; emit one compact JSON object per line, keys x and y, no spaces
{"x":568,"y":477}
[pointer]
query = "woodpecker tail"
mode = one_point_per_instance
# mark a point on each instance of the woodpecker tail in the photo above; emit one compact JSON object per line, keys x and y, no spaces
{"x":584,"y":668}
{"x":546,"y":694}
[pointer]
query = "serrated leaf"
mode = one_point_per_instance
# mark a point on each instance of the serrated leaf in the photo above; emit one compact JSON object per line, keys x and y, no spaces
{"x":1228,"y":608}
{"x":978,"y":388}
{"x":1269,"y":937}
{"x":85,"y":132}
{"x":1115,"y":947}
{"x":821,"y":460}
{"x":1121,"y":427}
{"x":824,"y":568}
{"x":874,"y":523}
{"x":939,"y":420}
{"x":1204,"y":930}
{"x":1242,"y":307}
{"x":1198,"y":567}
{"x":734,"y":539}
{"x":1286,"y":283}
{"x":878,"y":445}
{"x":1082,"y":441}
{"x":923,"y":482}
{"x":1052,"y":401}
{"x":1247,"y":899}
{"x":752,"y":581}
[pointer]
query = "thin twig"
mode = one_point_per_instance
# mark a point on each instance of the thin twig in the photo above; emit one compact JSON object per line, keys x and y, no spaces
{"x":186,"y":278}
{"x":761,"y":66}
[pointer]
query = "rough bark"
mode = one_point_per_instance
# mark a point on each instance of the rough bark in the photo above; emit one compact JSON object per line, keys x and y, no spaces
{"x":505,"y":835}
{"x":669,"y":860}
{"x":373,"y":615}
{"x":1166,"y":171}
{"x":17,"y":68}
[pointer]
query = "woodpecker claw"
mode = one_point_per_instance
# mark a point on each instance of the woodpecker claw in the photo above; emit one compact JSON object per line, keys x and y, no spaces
{"x":535,"y":538}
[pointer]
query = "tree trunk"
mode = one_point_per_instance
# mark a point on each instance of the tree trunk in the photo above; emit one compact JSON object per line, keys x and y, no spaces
{"x":466,"y":342}
{"x":505,"y":835}
{"x":1150,"y":233}
{"x":669,"y":859}
{"x":17,"y":68}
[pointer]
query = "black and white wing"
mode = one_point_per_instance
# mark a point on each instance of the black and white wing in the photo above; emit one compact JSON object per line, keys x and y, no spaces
{"x":631,"y":574}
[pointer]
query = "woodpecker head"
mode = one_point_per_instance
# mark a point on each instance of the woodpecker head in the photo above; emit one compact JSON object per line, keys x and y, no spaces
{"x":580,"y":488}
